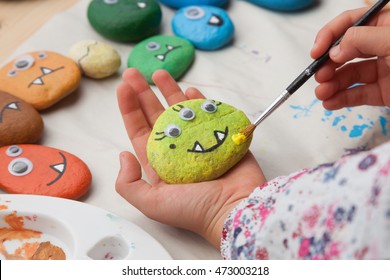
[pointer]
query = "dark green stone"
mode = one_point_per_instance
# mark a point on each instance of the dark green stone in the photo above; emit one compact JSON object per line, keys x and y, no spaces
{"x":125,"y":20}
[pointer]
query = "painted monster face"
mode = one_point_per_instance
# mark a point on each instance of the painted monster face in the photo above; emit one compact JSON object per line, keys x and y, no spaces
{"x":41,"y":170}
{"x":171,"y":53}
{"x":125,"y":20}
{"x":19,"y":121}
{"x":207,"y":27}
{"x":40,"y":78}
{"x":192,"y":141}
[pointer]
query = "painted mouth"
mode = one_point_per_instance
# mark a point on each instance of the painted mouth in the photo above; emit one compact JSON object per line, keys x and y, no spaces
{"x":220,"y":136}
{"x":215,"y":20}
{"x":45,"y":71}
{"x":59,"y":168}
{"x":164,"y":55}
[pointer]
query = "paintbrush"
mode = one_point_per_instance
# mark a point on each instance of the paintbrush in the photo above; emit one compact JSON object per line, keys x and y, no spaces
{"x":304,"y":76}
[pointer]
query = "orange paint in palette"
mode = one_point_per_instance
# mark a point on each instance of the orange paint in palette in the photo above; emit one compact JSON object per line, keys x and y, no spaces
{"x":24,"y":241}
{"x":45,"y":227}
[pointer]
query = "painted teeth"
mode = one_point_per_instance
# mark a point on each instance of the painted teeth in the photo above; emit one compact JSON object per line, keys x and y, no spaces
{"x":59,"y":167}
{"x":13,"y":106}
{"x":219,"y":135}
{"x":197,"y":147}
{"x":161,"y":57}
{"x":216,"y":20}
{"x":37,"y":81}
{"x":46,"y":70}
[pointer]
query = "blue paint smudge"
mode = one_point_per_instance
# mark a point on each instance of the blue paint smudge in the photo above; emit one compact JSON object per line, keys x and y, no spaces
{"x":357,"y":130}
{"x":338,"y":119}
{"x":383,"y":123}
{"x":328,"y":113}
{"x":304,"y":110}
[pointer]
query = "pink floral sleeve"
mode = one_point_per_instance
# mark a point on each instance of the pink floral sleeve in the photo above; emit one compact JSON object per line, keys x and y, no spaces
{"x":334,"y":211}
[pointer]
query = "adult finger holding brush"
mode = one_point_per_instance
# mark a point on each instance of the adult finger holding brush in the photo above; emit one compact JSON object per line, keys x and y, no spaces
{"x":336,"y":78}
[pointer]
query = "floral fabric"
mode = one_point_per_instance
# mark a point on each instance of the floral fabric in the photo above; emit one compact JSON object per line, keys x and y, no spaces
{"x":339,"y":210}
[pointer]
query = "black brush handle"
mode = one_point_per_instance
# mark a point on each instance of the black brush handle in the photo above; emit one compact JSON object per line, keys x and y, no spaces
{"x":318,"y":63}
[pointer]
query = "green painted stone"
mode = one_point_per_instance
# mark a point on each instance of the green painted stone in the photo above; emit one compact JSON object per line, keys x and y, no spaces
{"x":192,"y":141}
{"x":171,"y":53}
{"x":125,"y":20}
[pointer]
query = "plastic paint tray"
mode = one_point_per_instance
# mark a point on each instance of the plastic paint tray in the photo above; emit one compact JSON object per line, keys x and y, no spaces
{"x":82,"y":231}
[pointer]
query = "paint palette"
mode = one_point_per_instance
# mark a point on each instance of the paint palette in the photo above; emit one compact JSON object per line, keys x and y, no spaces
{"x":76,"y":229}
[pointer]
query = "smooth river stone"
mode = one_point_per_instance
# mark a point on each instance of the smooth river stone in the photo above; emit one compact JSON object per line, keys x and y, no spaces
{"x":207,"y":27}
{"x":171,"y":53}
{"x":125,"y":20}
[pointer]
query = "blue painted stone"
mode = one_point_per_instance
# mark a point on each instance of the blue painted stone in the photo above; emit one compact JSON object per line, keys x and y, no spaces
{"x":177,"y":4}
{"x":283,"y":5}
{"x":206,"y":27}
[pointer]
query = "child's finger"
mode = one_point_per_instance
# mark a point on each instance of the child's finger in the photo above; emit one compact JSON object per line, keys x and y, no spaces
{"x":129,"y":183}
{"x":333,"y":30}
{"x":362,"y":41}
{"x":168,"y":87}
{"x":193,"y":93}
{"x":361,"y":95}
{"x":148,"y":101}
{"x":364,"y":72}
{"x":136,"y":124}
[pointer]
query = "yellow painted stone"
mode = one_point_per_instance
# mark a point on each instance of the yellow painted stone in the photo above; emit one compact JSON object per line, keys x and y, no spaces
{"x":191,"y":141}
{"x":97,"y":60}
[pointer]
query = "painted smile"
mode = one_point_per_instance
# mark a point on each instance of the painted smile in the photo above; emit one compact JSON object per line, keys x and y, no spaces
{"x":215,"y":20}
{"x":169,"y":49}
{"x":59,"y":168}
{"x":220,"y":136}
{"x":45,"y":71}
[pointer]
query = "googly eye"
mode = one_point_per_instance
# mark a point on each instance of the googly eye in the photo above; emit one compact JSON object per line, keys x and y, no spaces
{"x":42,"y":55}
{"x":209,"y":106}
{"x":14,"y":151}
{"x":153,"y":46}
{"x":141,"y":5}
{"x":20,"y":166}
{"x":12,"y":73}
{"x":110,"y":2}
{"x":172,"y":130}
{"x":194,"y":12}
{"x":186,"y":114}
{"x":24,"y":62}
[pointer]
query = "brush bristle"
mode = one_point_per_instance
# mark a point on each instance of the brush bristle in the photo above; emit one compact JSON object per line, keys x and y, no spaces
{"x":247,"y":131}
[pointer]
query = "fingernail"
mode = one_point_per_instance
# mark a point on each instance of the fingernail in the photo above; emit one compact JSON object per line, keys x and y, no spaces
{"x":335,"y":51}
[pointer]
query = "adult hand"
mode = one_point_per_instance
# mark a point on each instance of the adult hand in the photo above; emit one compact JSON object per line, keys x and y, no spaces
{"x":200,"y":207}
{"x":371,"y":44}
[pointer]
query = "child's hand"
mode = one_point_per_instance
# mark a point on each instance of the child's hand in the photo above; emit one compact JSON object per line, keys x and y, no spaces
{"x":201,"y":207}
{"x":335,"y":78}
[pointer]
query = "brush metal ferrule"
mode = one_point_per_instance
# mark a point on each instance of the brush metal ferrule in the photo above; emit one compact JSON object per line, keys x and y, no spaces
{"x":278,"y":101}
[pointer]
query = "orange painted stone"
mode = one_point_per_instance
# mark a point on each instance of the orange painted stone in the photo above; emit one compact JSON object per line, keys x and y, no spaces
{"x":42,"y":170}
{"x":40,"y":78}
{"x":20,"y":123}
